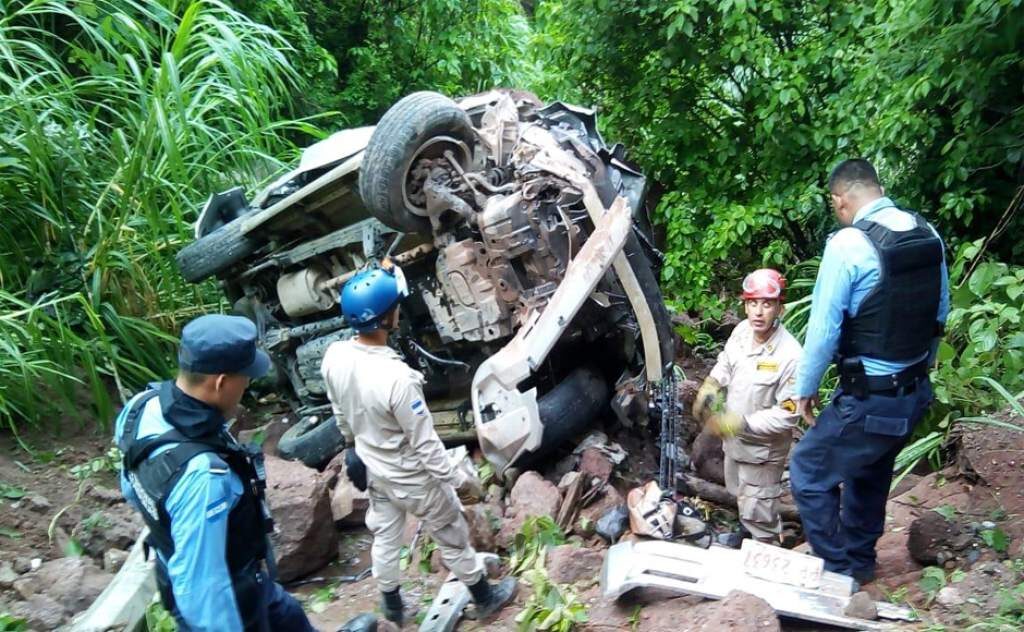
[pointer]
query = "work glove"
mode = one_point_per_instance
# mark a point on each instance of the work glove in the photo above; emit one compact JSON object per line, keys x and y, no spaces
{"x":470,"y":490}
{"x":707,"y":397}
{"x":725,"y":424}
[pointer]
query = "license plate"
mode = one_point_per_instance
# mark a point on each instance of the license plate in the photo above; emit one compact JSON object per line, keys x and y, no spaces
{"x":775,"y":564}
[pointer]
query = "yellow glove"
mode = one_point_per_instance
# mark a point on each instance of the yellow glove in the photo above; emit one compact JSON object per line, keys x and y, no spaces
{"x":725,"y":424}
{"x":707,"y":395}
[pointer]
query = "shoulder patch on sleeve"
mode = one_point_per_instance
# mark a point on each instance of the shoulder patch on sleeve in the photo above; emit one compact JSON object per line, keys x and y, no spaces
{"x":418,"y":407}
{"x":216,"y":509}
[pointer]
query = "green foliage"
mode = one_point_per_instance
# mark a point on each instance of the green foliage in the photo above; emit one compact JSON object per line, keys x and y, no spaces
{"x":980,"y":358}
{"x":95,"y":521}
{"x":322,"y":597}
{"x":551,"y":606}
{"x":739,"y":109}
{"x":109,"y":462}
{"x":10,"y":492}
{"x":427,"y":547}
{"x":10,"y":623}
{"x":933,"y":579}
{"x":118,"y":118}
{"x":362,"y":56}
{"x":537,"y":534}
{"x":983,"y":332}
{"x":996,"y":539}
{"x":158,"y":619}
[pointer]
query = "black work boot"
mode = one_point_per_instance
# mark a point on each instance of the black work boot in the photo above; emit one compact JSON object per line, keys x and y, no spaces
{"x":392,"y":607}
{"x":490,"y":598}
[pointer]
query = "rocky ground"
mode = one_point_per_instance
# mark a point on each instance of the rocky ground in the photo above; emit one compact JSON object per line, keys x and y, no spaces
{"x":63,"y":534}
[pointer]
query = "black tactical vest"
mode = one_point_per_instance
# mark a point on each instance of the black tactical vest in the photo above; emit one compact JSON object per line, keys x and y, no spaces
{"x":153,"y":478}
{"x":899,"y":317}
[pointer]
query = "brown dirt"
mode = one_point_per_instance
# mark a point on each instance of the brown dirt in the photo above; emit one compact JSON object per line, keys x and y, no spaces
{"x":24,"y":524}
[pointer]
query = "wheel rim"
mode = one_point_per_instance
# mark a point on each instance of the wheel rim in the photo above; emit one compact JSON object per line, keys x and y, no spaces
{"x":412,"y":186}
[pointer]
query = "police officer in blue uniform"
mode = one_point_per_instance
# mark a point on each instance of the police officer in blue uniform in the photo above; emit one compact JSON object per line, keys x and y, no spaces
{"x":879,"y":307}
{"x":200,"y":492}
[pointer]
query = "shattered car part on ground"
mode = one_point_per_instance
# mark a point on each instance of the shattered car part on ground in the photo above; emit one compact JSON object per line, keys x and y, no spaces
{"x":525,"y":240}
{"x":796,"y":586}
{"x":451,"y":600}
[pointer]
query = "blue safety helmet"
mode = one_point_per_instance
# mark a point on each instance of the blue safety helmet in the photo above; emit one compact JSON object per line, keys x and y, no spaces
{"x":370,"y":294}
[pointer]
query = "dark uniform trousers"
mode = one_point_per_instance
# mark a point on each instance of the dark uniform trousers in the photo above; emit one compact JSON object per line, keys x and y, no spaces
{"x":275,"y":611}
{"x":840,"y":473}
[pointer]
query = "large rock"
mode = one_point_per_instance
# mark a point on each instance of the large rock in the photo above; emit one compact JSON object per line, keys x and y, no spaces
{"x":568,"y":564}
{"x":71,"y":582}
{"x":104,"y":494}
{"x":114,"y":528}
{"x":895,"y":566}
{"x":484,"y":522}
{"x":738,"y":612}
{"x":304,"y":536}
{"x":348,"y":504}
{"x":7,"y":575}
{"x":40,"y":612}
{"x":531,"y":496}
{"x":595,"y":464}
{"x":930,"y":537}
{"x":707,"y":458}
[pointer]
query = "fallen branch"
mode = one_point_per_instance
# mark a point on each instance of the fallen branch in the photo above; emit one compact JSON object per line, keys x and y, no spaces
{"x":690,"y":485}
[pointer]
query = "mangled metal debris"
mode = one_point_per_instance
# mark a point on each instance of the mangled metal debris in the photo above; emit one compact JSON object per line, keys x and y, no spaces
{"x":449,"y":605}
{"x":527,"y":248}
{"x":794,"y":584}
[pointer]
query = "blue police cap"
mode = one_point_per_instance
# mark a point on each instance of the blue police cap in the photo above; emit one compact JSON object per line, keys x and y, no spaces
{"x":215,"y":344}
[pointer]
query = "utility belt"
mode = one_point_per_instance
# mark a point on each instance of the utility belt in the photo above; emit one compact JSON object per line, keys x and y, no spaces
{"x":853,"y":379}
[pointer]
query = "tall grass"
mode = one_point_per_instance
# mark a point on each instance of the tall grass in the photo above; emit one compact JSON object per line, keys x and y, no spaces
{"x":117,"y":119}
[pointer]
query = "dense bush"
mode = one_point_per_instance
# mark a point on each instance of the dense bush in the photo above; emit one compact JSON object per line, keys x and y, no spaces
{"x":739,"y":108}
{"x":117,"y":118}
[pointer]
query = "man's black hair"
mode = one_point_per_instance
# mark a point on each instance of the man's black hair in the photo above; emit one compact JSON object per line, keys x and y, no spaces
{"x":850,"y":172}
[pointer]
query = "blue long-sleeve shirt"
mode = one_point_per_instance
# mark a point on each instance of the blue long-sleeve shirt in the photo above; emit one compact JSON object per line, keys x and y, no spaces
{"x":849,"y":271}
{"x":198,"y":507}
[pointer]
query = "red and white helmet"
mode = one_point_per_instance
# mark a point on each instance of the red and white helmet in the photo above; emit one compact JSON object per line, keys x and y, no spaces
{"x":764,"y":283}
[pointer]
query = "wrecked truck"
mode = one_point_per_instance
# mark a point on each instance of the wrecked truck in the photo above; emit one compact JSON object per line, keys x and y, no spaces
{"x":534,"y":304}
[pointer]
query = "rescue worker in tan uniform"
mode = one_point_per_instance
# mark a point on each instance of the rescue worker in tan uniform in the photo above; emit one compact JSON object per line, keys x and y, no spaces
{"x":379,"y":406}
{"x":757,"y":370}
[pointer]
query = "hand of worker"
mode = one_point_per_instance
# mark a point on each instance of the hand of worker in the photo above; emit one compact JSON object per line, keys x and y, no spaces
{"x":708,"y":392}
{"x":470,"y":490}
{"x":725,"y":424}
{"x":805,"y":407}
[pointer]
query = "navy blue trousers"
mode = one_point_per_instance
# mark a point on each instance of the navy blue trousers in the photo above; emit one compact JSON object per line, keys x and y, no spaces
{"x":840,"y":473}
{"x":274,"y":609}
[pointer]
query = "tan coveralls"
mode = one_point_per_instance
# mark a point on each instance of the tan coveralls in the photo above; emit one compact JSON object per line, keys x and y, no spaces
{"x":378,"y":402}
{"x":759,"y":379}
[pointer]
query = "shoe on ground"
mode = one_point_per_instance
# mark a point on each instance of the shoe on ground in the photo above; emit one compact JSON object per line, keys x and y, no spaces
{"x":489,"y":599}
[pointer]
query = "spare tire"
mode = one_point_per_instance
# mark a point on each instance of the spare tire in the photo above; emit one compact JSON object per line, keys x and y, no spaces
{"x":312,"y":441}
{"x":566,"y":411}
{"x":404,"y":130}
{"x":214,"y":252}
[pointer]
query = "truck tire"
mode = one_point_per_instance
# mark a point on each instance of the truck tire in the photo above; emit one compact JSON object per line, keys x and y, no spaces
{"x":570,"y":407}
{"x":398,"y":138}
{"x":312,"y":441}
{"x":215,"y":252}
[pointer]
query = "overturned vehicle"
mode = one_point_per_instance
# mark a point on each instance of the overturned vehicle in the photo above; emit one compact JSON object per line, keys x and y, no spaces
{"x":525,"y":241}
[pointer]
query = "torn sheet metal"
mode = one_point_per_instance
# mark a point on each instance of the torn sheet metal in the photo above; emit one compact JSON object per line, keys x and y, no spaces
{"x":714,"y":572}
{"x":451,"y":600}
